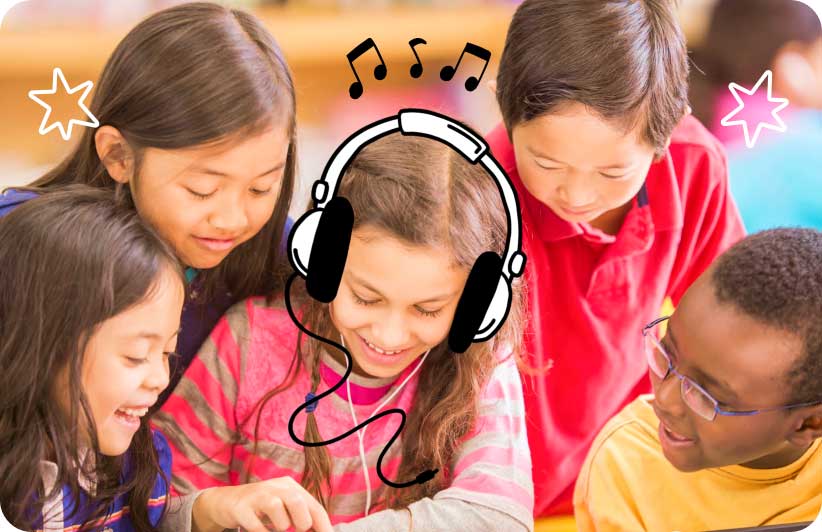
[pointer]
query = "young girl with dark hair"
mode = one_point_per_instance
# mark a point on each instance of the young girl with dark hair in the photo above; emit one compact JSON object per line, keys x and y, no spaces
{"x":197,"y":128}
{"x":89,"y":316}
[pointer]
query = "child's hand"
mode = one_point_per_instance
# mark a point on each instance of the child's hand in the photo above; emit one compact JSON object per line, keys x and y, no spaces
{"x":281,"y":500}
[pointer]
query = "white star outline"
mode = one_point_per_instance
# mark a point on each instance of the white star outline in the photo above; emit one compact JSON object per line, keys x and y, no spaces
{"x":783,"y":102}
{"x":64,"y":132}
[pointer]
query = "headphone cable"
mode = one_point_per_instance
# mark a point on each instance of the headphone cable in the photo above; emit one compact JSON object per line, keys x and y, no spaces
{"x":423,"y":477}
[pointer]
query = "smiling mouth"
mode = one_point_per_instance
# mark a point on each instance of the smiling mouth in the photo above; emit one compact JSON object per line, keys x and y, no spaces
{"x":218,"y":244}
{"x":675,"y":436}
{"x":670,"y":433}
{"x":382,"y":351}
{"x":131,"y":416}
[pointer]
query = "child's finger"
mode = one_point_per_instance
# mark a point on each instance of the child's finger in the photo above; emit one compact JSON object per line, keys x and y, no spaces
{"x":319,"y":517}
{"x":297,"y":507}
{"x":247,"y":519}
{"x":275,"y":510}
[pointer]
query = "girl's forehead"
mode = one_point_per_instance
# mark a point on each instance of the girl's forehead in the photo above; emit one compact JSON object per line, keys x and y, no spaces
{"x":386,"y":263}
{"x":380,"y":242}
{"x":240,"y":158}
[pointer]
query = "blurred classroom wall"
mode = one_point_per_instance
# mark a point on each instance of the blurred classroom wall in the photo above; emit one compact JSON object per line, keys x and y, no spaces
{"x":315,"y":35}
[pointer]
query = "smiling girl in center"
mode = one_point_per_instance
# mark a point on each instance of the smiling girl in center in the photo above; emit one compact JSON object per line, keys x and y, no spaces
{"x":422,"y":217}
{"x":198,"y":129}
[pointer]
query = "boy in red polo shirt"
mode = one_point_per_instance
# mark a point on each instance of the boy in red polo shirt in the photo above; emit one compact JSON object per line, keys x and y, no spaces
{"x":624,"y":200}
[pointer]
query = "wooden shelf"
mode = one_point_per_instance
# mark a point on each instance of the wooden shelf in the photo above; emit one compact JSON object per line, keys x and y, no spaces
{"x":309,"y":38}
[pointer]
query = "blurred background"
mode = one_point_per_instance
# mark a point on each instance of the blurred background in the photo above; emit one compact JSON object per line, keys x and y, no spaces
{"x":775,"y":183}
{"x":730,"y":40}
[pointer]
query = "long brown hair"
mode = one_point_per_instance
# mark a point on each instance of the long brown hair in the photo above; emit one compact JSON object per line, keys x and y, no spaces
{"x":195,"y":74}
{"x":70,"y":260}
{"x":423,"y":193}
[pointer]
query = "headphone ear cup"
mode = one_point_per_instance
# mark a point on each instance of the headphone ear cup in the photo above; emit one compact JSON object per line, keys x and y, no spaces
{"x":330,"y":250}
{"x":301,"y":239}
{"x":475,"y":301}
{"x":497,"y":311}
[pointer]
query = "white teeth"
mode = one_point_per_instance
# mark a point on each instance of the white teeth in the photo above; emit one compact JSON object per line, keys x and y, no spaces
{"x":382,"y":352}
{"x":134,"y":412}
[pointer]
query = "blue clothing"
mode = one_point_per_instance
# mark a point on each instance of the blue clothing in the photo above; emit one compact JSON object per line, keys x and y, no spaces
{"x":777,"y":183}
{"x":198,"y":317}
{"x":57,"y":511}
{"x":12,"y":198}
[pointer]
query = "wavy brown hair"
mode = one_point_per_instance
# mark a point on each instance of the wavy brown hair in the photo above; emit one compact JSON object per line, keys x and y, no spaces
{"x":196,"y":74}
{"x":70,"y":260}
{"x":423,"y":193}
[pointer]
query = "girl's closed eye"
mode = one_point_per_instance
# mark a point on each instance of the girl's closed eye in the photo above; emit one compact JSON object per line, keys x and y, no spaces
{"x":429,"y":313}
{"x":268,"y":185}
{"x":365,"y":302}
{"x":258,"y":192}
{"x":200,"y":195}
{"x":137,"y":361}
{"x":143,"y":360}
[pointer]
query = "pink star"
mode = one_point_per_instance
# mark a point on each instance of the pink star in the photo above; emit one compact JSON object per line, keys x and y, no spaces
{"x":756,"y":112}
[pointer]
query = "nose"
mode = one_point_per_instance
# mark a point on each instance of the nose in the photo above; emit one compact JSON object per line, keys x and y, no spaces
{"x":668,"y":396}
{"x":229,"y":215}
{"x":575,"y":191}
{"x":157,"y":378}
{"x":391,"y":332}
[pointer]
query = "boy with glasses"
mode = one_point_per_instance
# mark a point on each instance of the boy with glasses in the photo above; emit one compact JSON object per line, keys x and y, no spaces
{"x":730,"y":436}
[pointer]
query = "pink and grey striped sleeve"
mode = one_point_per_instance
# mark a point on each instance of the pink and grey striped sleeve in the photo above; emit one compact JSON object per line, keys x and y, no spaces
{"x":492,"y":488}
{"x":199,"y":419}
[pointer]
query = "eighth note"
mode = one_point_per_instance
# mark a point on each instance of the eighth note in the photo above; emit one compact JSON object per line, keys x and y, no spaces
{"x":416,"y":68}
{"x":355,"y":90}
{"x":472,"y":82}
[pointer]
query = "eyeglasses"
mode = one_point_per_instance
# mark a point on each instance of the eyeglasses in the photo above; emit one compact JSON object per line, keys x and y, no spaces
{"x":693,"y":395}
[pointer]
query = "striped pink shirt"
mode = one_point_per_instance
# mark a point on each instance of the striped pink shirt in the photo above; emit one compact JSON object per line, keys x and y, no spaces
{"x":249,"y":352}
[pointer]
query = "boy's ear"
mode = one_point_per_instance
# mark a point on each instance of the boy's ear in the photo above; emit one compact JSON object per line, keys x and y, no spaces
{"x":809,"y":430}
{"x":115,"y":153}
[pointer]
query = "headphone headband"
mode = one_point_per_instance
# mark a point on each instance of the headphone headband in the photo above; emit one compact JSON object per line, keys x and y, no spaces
{"x":423,"y":123}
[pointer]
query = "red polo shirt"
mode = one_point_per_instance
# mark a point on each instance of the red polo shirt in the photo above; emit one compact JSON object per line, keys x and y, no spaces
{"x":591,"y":293}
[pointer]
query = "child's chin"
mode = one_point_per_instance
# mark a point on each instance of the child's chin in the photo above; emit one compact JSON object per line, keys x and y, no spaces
{"x":114,"y":443}
{"x":684,"y":464}
{"x":109,"y":448}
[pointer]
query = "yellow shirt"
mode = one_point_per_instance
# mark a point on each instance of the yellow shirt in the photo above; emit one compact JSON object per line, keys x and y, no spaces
{"x":627,"y":483}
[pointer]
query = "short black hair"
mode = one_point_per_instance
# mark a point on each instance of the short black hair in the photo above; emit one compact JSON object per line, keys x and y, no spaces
{"x":626,"y":60}
{"x":775,"y":277}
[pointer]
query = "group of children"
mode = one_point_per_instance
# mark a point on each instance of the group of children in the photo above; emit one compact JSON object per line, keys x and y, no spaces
{"x":151,"y":367}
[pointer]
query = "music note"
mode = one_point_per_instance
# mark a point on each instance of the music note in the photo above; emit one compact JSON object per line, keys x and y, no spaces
{"x":355,"y":90}
{"x":416,"y":69}
{"x":472,"y":82}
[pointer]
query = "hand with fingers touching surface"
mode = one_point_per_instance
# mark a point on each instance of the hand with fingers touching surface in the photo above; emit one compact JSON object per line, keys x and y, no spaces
{"x":276,"y":504}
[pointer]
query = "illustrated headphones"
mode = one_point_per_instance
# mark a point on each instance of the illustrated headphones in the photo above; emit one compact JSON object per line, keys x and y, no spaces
{"x":319,"y":240}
